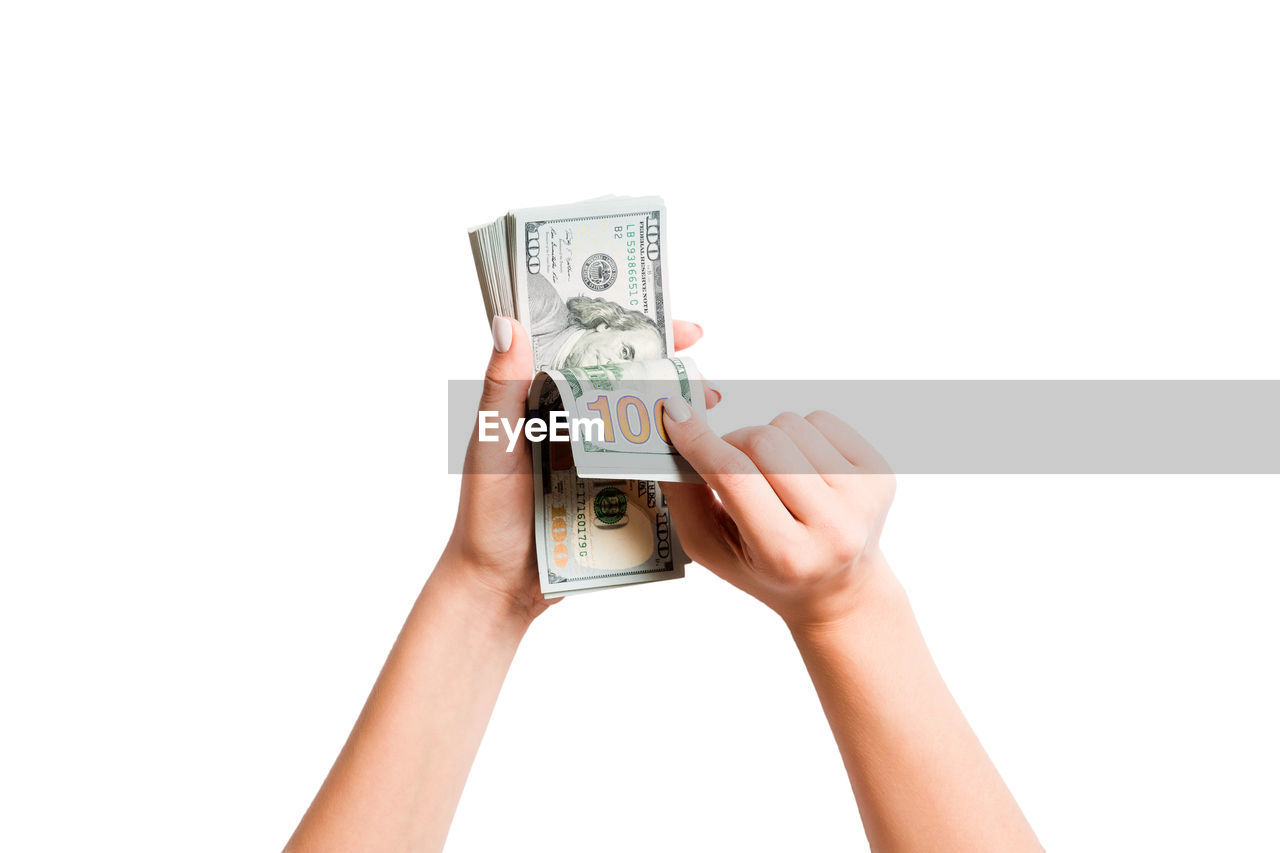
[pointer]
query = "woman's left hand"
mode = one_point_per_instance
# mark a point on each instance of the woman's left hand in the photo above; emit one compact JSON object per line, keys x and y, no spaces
{"x":492,"y":545}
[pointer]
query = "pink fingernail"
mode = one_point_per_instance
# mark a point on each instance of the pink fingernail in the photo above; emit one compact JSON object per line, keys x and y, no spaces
{"x":501,"y":333}
{"x":677,"y":409}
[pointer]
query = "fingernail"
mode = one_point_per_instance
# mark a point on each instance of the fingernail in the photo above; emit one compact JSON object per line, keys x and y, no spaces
{"x":501,"y":333}
{"x":715,"y":389}
{"x":677,"y":409}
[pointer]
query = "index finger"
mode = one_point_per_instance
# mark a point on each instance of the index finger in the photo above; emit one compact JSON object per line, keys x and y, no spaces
{"x":744,"y":491}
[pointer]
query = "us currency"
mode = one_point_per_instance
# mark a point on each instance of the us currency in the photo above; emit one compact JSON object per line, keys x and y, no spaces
{"x":611,"y":414}
{"x":589,"y":283}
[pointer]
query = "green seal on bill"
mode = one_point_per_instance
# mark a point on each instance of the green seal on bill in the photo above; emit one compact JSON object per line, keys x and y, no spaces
{"x":610,"y":505}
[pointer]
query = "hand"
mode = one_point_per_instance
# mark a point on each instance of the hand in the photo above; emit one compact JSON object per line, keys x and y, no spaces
{"x":492,"y":546}
{"x":801,"y":505}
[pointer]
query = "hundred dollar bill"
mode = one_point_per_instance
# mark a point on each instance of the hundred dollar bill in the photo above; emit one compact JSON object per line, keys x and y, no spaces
{"x":587,"y":280}
{"x":595,"y":533}
{"x":611,"y":414}
{"x":589,"y":283}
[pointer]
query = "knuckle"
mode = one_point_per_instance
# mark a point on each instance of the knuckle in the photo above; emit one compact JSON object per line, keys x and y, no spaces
{"x":847,"y":547}
{"x":874,"y":461}
{"x":786,"y":419}
{"x":804,"y":573}
{"x":873,"y":489}
{"x":793,"y":564}
{"x":790,"y":569}
{"x":492,"y":373}
{"x":700,"y":444}
{"x":821,"y":416}
{"x":843,"y":539}
{"x":497,"y":388}
{"x":828,"y":424}
{"x":762,"y":440}
{"x":734,"y":471}
{"x":716,"y":460}
{"x":492,"y":397}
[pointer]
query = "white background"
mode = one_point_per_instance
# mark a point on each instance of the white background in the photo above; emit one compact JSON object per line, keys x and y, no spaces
{"x":236,"y":278}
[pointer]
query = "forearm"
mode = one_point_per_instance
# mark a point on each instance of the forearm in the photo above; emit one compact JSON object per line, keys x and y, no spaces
{"x":397,"y":782}
{"x":922,"y":780}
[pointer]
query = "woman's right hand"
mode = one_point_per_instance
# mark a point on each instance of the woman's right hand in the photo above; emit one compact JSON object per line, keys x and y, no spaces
{"x":800,"y":509}
{"x":797,"y":525}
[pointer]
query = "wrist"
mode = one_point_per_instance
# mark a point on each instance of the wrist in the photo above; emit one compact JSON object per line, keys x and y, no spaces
{"x":472,"y":593}
{"x":872,"y":594}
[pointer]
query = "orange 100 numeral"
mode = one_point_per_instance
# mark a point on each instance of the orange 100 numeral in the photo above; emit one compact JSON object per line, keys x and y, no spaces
{"x":629,"y":408}
{"x":559,"y":533}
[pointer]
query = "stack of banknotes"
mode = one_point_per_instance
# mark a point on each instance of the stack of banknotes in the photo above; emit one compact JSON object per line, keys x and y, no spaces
{"x":589,"y":283}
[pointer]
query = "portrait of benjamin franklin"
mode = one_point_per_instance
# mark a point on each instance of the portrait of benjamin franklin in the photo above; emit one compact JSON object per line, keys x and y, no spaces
{"x":586,"y":331}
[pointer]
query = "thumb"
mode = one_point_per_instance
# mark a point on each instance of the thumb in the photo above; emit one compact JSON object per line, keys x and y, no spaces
{"x":706,"y":531}
{"x":505,"y":394}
